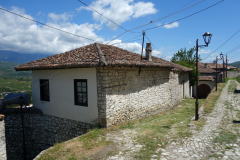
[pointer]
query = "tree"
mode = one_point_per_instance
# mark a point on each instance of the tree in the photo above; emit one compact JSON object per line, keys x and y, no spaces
{"x":187,"y":59}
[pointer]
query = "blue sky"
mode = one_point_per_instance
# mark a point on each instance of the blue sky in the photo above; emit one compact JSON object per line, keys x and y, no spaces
{"x":24,"y":36}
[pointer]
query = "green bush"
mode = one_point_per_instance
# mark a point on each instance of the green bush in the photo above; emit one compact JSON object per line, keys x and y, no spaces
{"x":238,"y":78}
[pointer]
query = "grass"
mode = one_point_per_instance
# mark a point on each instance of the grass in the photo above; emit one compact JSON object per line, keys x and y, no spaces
{"x":225,"y":137}
{"x":238,"y":79}
{"x":15,"y":84}
{"x":232,"y":87}
{"x":210,"y":102}
{"x":152,"y":132}
{"x":80,"y":148}
{"x":164,"y":128}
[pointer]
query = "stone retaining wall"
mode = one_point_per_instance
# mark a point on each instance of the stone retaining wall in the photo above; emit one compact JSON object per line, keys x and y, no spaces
{"x":124,"y":94}
{"x":232,"y":74}
{"x":41,"y":132}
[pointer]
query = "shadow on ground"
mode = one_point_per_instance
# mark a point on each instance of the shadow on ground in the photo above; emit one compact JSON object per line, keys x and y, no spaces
{"x":237,"y":91}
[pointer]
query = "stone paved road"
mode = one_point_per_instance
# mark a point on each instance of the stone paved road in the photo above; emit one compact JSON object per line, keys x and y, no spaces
{"x":206,"y":143}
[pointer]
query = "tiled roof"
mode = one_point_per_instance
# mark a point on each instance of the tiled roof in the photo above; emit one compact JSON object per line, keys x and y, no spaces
{"x":97,"y":55}
{"x":213,"y":65}
{"x":206,"y":78}
{"x":202,"y":68}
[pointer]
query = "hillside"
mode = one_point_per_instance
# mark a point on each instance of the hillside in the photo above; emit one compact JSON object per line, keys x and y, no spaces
{"x":7,"y":70}
{"x":235,"y":64}
{"x":19,"y":58}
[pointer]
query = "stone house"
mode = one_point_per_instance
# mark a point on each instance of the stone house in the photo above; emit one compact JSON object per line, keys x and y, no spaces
{"x":105,"y":85}
{"x":229,"y":71}
{"x":207,"y":80}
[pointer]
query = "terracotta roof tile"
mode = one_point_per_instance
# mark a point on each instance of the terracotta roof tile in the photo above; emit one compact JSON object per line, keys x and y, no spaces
{"x":213,"y":65}
{"x":205,"y":68}
{"x":96,"y":55}
{"x":206,"y":78}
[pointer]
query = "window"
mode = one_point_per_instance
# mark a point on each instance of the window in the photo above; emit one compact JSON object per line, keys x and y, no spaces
{"x":80,"y":92}
{"x":44,"y":90}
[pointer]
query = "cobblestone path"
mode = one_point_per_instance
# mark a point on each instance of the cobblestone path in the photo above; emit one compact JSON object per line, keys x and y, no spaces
{"x":219,"y":138}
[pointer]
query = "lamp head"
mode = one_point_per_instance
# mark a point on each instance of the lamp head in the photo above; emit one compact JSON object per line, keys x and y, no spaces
{"x":221,"y":55}
{"x":207,"y":38}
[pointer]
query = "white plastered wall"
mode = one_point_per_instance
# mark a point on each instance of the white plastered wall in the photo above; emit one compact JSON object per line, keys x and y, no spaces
{"x":61,"y":86}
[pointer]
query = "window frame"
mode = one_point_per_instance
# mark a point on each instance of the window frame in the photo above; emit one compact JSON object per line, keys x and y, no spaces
{"x":76,"y":92}
{"x":42,"y":92}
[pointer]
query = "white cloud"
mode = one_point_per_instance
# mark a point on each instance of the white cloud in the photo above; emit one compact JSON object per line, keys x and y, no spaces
{"x":202,"y":51}
{"x":119,"y":11}
{"x":142,"y":9}
{"x":189,"y":42}
{"x":172,"y":25}
{"x":168,"y":58}
{"x":133,"y":46}
{"x":22,"y":35}
{"x":60,"y":17}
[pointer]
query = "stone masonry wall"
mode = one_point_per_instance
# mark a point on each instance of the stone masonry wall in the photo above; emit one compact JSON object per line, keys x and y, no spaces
{"x":59,"y":129}
{"x":179,"y":87}
{"x":124,"y":94}
{"x":34,"y":134}
{"x":41,"y":132}
{"x":232,"y":74}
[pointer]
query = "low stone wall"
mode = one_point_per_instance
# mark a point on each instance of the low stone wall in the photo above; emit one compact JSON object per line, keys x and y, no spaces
{"x":41,"y":132}
{"x":59,"y":129}
{"x":232,"y":74}
{"x":124,"y":94}
{"x":34,"y":133}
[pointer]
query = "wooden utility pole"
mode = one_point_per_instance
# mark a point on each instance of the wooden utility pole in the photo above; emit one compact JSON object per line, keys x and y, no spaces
{"x":226,"y":65}
{"x":216,"y":72}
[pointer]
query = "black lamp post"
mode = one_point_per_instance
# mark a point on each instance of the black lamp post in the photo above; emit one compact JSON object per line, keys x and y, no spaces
{"x":21,"y":101}
{"x":222,"y":57}
{"x":207,"y":38}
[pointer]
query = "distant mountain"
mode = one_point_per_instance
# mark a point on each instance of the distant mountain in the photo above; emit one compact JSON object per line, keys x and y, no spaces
{"x":19,"y":58}
{"x":7,"y":70}
{"x":235,"y":64}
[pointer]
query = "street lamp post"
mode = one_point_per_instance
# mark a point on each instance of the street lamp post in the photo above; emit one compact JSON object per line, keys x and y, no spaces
{"x":207,"y":38}
{"x":222,"y":57}
{"x":21,"y":100}
{"x":216,"y":78}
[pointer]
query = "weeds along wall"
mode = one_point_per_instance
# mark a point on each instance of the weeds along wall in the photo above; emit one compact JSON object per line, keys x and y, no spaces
{"x":127,"y":93}
{"x":41,"y":132}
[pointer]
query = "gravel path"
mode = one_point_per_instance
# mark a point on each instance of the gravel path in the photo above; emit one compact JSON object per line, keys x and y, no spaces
{"x":203,"y":145}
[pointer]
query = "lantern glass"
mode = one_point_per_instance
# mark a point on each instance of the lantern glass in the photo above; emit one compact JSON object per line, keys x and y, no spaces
{"x":207,"y":38}
{"x":221,"y":55}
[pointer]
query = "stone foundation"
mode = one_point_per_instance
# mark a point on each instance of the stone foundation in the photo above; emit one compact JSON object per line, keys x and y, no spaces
{"x":41,"y":132}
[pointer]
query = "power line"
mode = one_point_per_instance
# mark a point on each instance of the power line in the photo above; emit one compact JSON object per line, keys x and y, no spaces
{"x":48,"y":25}
{"x":156,"y":47}
{"x":186,"y":16}
{"x":234,"y":55}
{"x":102,"y":15}
{"x":126,"y":41}
{"x":182,"y":7}
{"x":133,"y":37}
{"x":222,"y":44}
{"x":237,"y":47}
{"x":156,"y":20}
